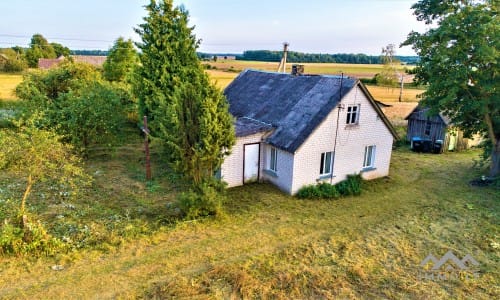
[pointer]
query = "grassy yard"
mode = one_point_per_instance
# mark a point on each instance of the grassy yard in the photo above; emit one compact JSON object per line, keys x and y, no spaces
{"x":269,"y":245}
{"x":8,"y":83}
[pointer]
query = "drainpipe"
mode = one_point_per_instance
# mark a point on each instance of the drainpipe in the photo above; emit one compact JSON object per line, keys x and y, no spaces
{"x":340,"y":106}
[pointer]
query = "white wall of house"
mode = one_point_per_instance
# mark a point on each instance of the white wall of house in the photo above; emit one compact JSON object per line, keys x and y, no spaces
{"x":232,"y":168}
{"x":283,"y":177}
{"x":351,"y":143}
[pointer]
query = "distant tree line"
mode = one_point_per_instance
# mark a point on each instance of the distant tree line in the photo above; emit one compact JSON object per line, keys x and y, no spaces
{"x":349,"y":58}
{"x":90,"y":52}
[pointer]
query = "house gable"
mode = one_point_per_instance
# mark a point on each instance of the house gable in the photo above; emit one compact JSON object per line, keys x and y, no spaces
{"x":347,"y":144}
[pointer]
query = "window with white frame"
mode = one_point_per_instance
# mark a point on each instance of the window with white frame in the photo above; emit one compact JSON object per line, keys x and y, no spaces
{"x":352,"y":114}
{"x":369,"y":161}
{"x":273,"y":160}
{"x":326,"y":163}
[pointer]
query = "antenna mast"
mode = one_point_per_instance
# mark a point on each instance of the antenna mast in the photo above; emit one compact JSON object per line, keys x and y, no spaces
{"x":282,"y":66}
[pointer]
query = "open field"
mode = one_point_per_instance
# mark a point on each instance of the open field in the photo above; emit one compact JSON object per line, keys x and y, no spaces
{"x":226,"y":70}
{"x":8,"y":83}
{"x":356,"y":70}
{"x":271,"y":245}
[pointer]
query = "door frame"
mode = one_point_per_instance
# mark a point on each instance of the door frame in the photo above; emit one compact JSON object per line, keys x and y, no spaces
{"x":244,"y":156}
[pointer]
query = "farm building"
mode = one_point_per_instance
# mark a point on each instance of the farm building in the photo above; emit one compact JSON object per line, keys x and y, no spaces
{"x":432,"y":128}
{"x":47,"y":63}
{"x":294,"y":130}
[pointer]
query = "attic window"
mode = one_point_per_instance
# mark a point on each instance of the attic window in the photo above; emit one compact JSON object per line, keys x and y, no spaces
{"x":352,"y":114}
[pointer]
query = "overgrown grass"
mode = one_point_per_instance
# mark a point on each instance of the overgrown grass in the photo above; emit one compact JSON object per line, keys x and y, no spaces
{"x":270,"y":245}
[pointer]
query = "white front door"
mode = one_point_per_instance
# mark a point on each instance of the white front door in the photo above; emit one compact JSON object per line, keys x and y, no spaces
{"x":251,"y":163}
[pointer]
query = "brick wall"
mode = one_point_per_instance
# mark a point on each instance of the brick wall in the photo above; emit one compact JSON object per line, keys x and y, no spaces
{"x":232,"y":168}
{"x":351,"y":142}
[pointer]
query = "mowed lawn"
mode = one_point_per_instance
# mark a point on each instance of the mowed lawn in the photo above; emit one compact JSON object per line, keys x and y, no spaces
{"x":8,"y":83}
{"x":271,"y":245}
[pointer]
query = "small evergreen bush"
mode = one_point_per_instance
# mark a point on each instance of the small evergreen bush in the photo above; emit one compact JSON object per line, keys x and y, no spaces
{"x":202,"y":200}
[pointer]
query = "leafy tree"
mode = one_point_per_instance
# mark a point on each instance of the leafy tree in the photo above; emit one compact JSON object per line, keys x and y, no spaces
{"x":39,"y":48}
{"x":76,"y":103}
{"x":38,"y":155}
{"x":60,"y":50}
{"x":121,"y":60}
{"x":166,"y":52}
{"x":14,"y":62}
{"x":388,"y":76}
{"x":459,"y":63}
{"x":91,"y":116}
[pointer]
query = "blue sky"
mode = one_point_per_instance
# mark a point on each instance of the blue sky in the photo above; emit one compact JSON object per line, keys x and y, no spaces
{"x":232,"y":26}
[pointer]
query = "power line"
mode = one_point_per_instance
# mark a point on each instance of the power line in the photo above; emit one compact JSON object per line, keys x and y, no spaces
{"x":56,"y":38}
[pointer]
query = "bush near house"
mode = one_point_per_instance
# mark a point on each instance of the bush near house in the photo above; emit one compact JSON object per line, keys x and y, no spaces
{"x":348,"y":187}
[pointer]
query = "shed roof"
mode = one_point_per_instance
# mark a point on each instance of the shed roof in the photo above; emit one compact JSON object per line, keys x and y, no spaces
{"x":421,"y":113}
{"x":95,"y":60}
{"x":293,"y":105}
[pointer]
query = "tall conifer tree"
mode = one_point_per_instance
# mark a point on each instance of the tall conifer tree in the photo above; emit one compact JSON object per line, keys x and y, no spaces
{"x":186,"y":111}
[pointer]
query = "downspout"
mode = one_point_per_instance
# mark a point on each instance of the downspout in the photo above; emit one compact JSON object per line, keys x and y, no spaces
{"x":339,"y":106}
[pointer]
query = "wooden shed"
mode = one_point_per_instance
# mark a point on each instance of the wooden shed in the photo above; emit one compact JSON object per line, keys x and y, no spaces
{"x":438,"y":127}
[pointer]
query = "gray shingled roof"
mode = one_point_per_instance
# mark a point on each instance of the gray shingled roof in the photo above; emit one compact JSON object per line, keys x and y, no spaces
{"x":293,"y":105}
{"x":245,"y":126}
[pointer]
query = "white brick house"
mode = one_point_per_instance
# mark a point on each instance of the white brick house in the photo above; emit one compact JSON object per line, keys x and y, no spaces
{"x":295,"y":130}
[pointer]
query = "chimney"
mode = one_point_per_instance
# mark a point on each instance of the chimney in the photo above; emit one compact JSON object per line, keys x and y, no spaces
{"x":297,"y":70}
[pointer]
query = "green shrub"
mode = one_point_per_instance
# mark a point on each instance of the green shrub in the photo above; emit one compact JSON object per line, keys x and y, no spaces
{"x":350,"y":186}
{"x":202,"y":200}
{"x":32,"y":240}
{"x":322,"y":190}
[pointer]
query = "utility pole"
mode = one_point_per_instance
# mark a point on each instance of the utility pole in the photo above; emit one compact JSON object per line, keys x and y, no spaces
{"x":282,"y":66}
{"x":339,"y":107}
{"x":401,"y":88}
{"x":146,"y":148}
